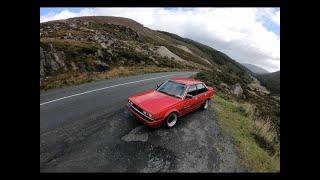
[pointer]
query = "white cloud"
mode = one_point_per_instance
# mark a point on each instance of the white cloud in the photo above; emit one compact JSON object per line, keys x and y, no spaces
{"x":238,"y":32}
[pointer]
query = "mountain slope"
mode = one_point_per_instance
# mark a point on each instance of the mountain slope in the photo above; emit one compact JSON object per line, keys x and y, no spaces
{"x":271,"y":81}
{"x":255,"y":69}
{"x":221,"y":61}
{"x":86,"y":46}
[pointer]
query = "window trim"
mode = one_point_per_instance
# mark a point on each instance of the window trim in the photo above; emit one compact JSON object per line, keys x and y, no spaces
{"x":203,"y":88}
{"x":196,"y":89}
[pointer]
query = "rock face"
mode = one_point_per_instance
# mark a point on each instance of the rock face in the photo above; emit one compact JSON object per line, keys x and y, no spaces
{"x":51,"y":61}
{"x":164,"y":52}
{"x":256,"y":86}
{"x":236,"y":90}
{"x":101,"y":66}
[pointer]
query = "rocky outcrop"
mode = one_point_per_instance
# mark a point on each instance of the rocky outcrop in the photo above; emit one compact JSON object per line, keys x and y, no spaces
{"x":95,"y":44}
{"x":224,"y":86}
{"x":257,"y":87}
{"x":235,"y":89}
{"x":51,"y":60}
{"x":101,"y":66}
{"x":166,"y":53}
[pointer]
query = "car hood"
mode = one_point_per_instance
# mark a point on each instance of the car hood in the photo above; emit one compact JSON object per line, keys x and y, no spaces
{"x":153,"y":101}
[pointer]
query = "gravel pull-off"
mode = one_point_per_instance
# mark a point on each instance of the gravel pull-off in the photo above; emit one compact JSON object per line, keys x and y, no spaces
{"x":119,"y":143}
{"x":136,"y":135}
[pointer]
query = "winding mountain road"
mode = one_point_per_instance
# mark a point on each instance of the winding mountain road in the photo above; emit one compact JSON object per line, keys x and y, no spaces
{"x":86,"y":128}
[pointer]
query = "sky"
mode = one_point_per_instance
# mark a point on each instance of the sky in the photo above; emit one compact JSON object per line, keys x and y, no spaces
{"x":248,"y":35}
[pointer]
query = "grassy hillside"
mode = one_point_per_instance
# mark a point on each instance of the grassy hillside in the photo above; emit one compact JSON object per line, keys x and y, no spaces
{"x":255,"y":139}
{"x":271,"y":81}
{"x":252,"y":120}
{"x":222,"y":62}
{"x":97,"y":45}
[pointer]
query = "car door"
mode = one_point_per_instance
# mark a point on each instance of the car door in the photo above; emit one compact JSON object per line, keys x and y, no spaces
{"x":189,"y":103}
{"x":201,"y":94}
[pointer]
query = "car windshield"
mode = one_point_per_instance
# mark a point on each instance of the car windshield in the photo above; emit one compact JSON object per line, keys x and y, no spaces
{"x":172,"y":88}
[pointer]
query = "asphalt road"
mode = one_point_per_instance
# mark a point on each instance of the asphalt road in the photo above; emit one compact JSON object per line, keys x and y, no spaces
{"x":86,"y":128}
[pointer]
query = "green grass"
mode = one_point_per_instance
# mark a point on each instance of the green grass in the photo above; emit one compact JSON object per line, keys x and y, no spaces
{"x":237,"y":119}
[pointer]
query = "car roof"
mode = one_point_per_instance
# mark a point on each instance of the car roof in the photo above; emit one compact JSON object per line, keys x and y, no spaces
{"x":187,"y":81}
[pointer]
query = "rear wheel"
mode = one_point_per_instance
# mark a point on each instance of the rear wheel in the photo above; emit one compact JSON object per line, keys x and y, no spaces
{"x":205,"y":104}
{"x":171,"y":120}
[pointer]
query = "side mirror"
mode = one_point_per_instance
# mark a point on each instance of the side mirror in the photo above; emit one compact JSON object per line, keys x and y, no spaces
{"x":158,"y":85}
{"x":189,"y":96}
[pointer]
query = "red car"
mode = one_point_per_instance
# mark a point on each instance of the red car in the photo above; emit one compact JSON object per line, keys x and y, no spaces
{"x":169,"y":101}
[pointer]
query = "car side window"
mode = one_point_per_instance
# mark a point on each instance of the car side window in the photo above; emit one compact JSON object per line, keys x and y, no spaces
{"x":201,"y":88}
{"x":192,"y":90}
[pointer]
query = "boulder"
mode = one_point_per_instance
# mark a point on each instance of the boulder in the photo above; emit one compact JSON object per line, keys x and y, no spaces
{"x":224,"y":86}
{"x":100,"y":53}
{"x":101,"y":66}
{"x":109,"y":42}
{"x":109,"y":51}
{"x":73,"y":26}
{"x":59,"y":58}
{"x":236,"y":90}
{"x":86,"y":23}
{"x":73,"y":66}
{"x":69,"y":35}
{"x":154,"y":60}
{"x":103,"y":45}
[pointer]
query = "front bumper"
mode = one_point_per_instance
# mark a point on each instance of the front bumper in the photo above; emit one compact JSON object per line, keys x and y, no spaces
{"x":154,"y":123}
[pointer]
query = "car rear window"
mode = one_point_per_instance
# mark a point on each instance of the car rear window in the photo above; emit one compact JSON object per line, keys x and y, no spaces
{"x":201,"y":88}
{"x":192,"y":90}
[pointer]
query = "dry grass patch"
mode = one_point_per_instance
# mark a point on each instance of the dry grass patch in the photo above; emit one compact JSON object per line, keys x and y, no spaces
{"x":75,"y":77}
{"x":252,"y":137}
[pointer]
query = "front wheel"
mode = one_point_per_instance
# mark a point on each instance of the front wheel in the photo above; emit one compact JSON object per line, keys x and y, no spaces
{"x":171,"y":120}
{"x":205,"y":104}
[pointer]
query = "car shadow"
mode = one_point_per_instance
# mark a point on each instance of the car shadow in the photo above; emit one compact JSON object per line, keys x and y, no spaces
{"x":182,"y":122}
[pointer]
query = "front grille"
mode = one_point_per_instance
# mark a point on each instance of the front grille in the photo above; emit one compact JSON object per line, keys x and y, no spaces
{"x":138,"y":110}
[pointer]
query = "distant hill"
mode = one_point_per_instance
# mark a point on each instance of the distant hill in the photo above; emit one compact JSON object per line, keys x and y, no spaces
{"x":255,"y":69}
{"x":271,"y":81}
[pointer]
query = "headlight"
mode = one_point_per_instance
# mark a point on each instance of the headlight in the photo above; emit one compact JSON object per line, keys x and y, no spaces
{"x":147,"y":114}
{"x":129,"y":102}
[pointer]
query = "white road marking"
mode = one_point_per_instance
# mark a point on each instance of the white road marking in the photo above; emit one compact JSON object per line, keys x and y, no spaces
{"x":86,"y":92}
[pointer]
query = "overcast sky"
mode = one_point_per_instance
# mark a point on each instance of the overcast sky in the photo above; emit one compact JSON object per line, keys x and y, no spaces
{"x":248,"y":35}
